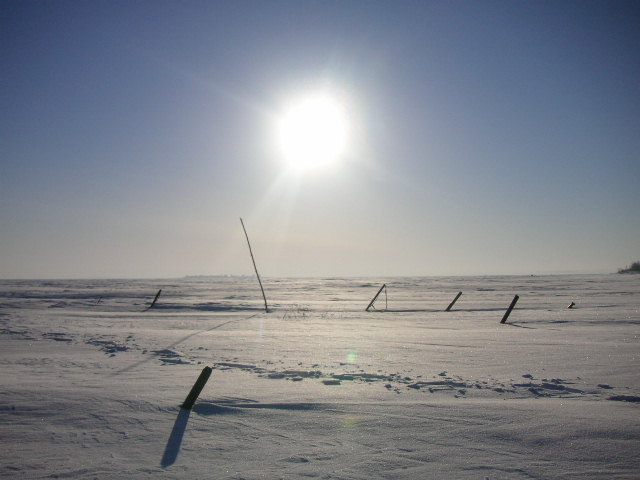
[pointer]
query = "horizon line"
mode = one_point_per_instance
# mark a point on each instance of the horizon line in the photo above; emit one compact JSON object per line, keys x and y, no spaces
{"x":355,"y":276}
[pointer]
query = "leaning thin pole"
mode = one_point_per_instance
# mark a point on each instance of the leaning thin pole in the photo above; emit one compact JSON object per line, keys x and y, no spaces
{"x":453,"y":302}
{"x":384,"y":286}
{"x":154,"y":300}
{"x":508,"y":312}
{"x":266,"y":308}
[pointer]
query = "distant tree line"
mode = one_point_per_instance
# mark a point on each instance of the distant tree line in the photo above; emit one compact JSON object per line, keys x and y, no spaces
{"x":634,"y":267}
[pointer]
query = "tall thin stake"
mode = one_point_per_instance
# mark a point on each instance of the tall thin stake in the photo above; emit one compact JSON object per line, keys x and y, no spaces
{"x":266,"y":308}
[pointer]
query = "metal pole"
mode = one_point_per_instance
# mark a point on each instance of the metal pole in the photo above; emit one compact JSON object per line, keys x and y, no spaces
{"x":266,"y":308}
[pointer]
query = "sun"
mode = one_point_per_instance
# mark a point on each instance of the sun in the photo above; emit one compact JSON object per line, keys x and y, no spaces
{"x":313,"y":132}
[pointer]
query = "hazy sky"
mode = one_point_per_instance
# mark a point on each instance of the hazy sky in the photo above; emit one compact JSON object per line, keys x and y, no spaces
{"x":485,"y":137}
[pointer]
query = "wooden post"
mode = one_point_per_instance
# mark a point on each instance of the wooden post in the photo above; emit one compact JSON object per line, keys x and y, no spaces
{"x":155,"y":299}
{"x":197,"y":388}
{"x":453,"y":302}
{"x":508,"y":312}
{"x":384,"y":285}
{"x":266,"y":308}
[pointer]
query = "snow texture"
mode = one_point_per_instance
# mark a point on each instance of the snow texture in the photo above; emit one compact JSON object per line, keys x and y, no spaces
{"x":93,"y":380}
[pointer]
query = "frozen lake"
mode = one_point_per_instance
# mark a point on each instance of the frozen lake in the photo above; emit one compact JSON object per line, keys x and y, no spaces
{"x":92,"y":380}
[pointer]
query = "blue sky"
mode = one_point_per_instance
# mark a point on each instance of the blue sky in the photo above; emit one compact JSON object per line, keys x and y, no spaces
{"x":485,"y":138}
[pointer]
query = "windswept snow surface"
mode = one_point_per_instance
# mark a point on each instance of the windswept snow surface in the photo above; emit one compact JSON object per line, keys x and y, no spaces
{"x":92,"y":382}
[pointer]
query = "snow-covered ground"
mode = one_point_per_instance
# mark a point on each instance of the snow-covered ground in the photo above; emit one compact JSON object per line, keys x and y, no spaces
{"x":92,"y":382}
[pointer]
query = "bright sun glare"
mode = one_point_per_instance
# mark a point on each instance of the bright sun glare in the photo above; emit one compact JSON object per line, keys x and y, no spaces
{"x":313,"y":132}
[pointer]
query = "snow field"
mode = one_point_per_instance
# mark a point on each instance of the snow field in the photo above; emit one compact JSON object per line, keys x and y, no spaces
{"x":319,"y":388}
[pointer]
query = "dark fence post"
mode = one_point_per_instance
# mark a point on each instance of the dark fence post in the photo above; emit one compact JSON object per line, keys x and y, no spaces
{"x":155,"y":299}
{"x":197,"y":388}
{"x":454,"y":301}
{"x":384,"y":285}
{"x":508,"y":312}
